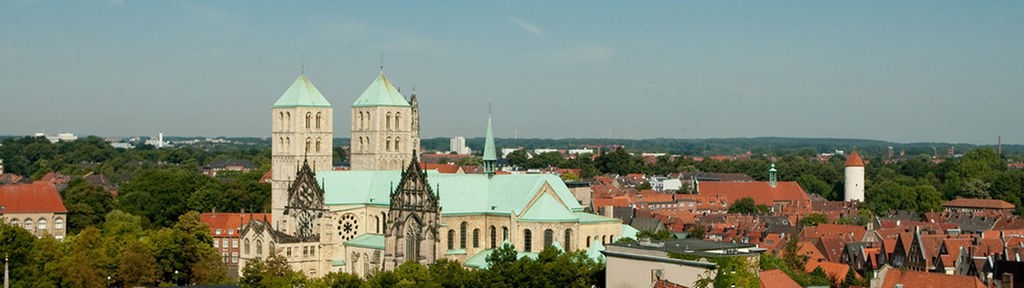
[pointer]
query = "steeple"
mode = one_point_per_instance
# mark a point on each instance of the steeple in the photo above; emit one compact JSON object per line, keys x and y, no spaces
{"x":772,"y":180}
{"x":490,"y":157}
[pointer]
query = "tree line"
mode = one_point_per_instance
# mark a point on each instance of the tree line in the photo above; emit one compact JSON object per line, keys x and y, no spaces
{"x":118,"y":253}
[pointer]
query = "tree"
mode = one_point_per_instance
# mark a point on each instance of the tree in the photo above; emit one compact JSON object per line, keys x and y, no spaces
{"x":137,"y":266}
{"x":87,"y":205}
{"x":273,"y":271}
{"x":745,"y":205}
{"x":732,"y":271}
{"x":185,"y":252}
{"x":450,"y":273}
{"x":337,"y":280}
{"x":517,"y":158}
{"x":812,"y":219}
{"x":697,"y":232}
{"x":83,"y":267}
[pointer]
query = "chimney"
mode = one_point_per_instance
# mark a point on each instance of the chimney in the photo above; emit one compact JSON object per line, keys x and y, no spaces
{"x":608,"y":211}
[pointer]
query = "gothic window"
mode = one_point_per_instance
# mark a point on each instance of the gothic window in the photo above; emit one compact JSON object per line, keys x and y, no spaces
{"x":387,"y":144}
{"x":383,"y":220}
{"x":527,"y":240}
{"x":548,"y":237}
{"x":309,"y":142}
{"x":451,"y":239}
{"x":494,"y":237}
{"x":387,"y":124}
{"x":309,"y":118}
{"x":568,"y":239}
{"x":245,"y":246}
{"x":58,"y":223}
{"x":318,"y":116}
{"x":259,"y":247}
{"x":462,"y":235}
{"x":476,"y":238}
{"x":588,"y":241}
{"x":398,"y":121}
{"x":377,"y":218}
{"x":317,"y":144}
{"x":504,"y":233}
{"x":348,"y":226}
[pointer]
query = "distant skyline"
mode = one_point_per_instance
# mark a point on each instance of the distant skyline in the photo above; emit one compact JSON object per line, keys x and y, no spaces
{"x":932,"y":71}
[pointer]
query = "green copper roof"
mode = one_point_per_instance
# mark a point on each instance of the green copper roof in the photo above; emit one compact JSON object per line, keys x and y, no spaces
{"x":368,"y":240}
{"x":459,"y":193}
{"x":380,"y":93}
{"x":628,"y":232}
{"x":489,"y":153}
{"x":302,"y":93}
{"x":479,"y":260}
{"x":547,"y":209}
{"x":594,"y":252}
{"x":594,"y":218}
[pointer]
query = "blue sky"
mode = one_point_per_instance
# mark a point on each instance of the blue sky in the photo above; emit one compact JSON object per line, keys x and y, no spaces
{"x":900,"y":71}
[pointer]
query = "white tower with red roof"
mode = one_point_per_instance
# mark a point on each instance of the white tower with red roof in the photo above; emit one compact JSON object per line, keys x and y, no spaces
{"x":854,"y":182}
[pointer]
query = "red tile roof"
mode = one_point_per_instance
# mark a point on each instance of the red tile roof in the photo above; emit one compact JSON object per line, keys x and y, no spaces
{"x":37,"y":197}
{"x":441,"y":168}
{"x":850,"y":233}
{"x":854,"y":160}
{"x":667,"y":284}
{"x":775,"y":278}
{"x":925,"y":279}
{"x":978,"y":203}
{"x":832,"y":269}
{"x":229,"y":221}
{"x":762,"y":192}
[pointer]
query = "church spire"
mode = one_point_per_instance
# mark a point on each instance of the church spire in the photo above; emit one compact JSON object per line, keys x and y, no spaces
{"x":490,"y":157}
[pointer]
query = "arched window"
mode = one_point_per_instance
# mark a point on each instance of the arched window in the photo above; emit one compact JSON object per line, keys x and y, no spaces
{"x":41,"y":224}
{"x":568,"y":240}
{"x":309,"y":119}
{"x":259,"y":247}
{"x":504,"y":233}
{"x":387,"y":123}
{"x":604,"y":240}
{"x":14,"y":222}
{"x":287,"y":118}
{"x":387,"y":144}
{"x":476,"y":238}
{"x":527,"y":240}
{"x":494,"y":237}
{"x":309,"y":142}
{"x":317,"y":144}
{"x":549,"y":237}
{"x":280,"y":119}
{"x":396,"y":144}
{"x":245,"y":246}
{"x":318,"y":117}
{"x":271,"y":251}
{"x":398,"y":121}
{"x":367,"y":120}
{"x":462,"y":235}
{"x":588,"y":241}
{"x":451,"y":239}
{"x":28,"y":225}
{"x":58,"y":223}
{"x":288,"y":142}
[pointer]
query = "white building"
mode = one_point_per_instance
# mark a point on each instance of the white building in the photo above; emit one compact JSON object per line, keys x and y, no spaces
{"x":458,"y":145}
{"x":854,"y":182}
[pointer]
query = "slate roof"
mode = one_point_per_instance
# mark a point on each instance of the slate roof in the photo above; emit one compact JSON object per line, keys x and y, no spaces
{"x":37,"y":197}
{"x":380,"y":93}
{"x":302,"y":93}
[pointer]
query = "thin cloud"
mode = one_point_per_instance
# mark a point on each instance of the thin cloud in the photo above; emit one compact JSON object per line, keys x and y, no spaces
{"x":527,"y":26}
{"x":588,"y":54}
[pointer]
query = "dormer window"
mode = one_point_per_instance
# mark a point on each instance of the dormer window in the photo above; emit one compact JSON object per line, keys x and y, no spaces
{"x":218,"y":231}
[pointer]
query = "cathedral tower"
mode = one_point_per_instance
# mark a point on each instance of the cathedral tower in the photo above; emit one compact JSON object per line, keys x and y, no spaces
{"x":301,"y":130}
{"x":413,"y":220}
{"x":854,"y":182}
{"x":384,"y":128}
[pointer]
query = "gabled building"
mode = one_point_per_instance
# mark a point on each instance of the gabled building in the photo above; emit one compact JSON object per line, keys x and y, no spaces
{"x":37,"y":207}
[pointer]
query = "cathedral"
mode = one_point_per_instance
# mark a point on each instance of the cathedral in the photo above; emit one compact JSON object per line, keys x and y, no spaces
{"x":387,"y":210}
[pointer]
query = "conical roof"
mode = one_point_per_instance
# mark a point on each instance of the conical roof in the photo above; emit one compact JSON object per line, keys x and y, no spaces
{"x":302,"y":93}
{"x":854,"y":160}
{"x":489,"y":153}
{"x":380,"y":93}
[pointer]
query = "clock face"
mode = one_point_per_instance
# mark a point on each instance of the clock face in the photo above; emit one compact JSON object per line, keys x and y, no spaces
{"x":348,"y":226}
